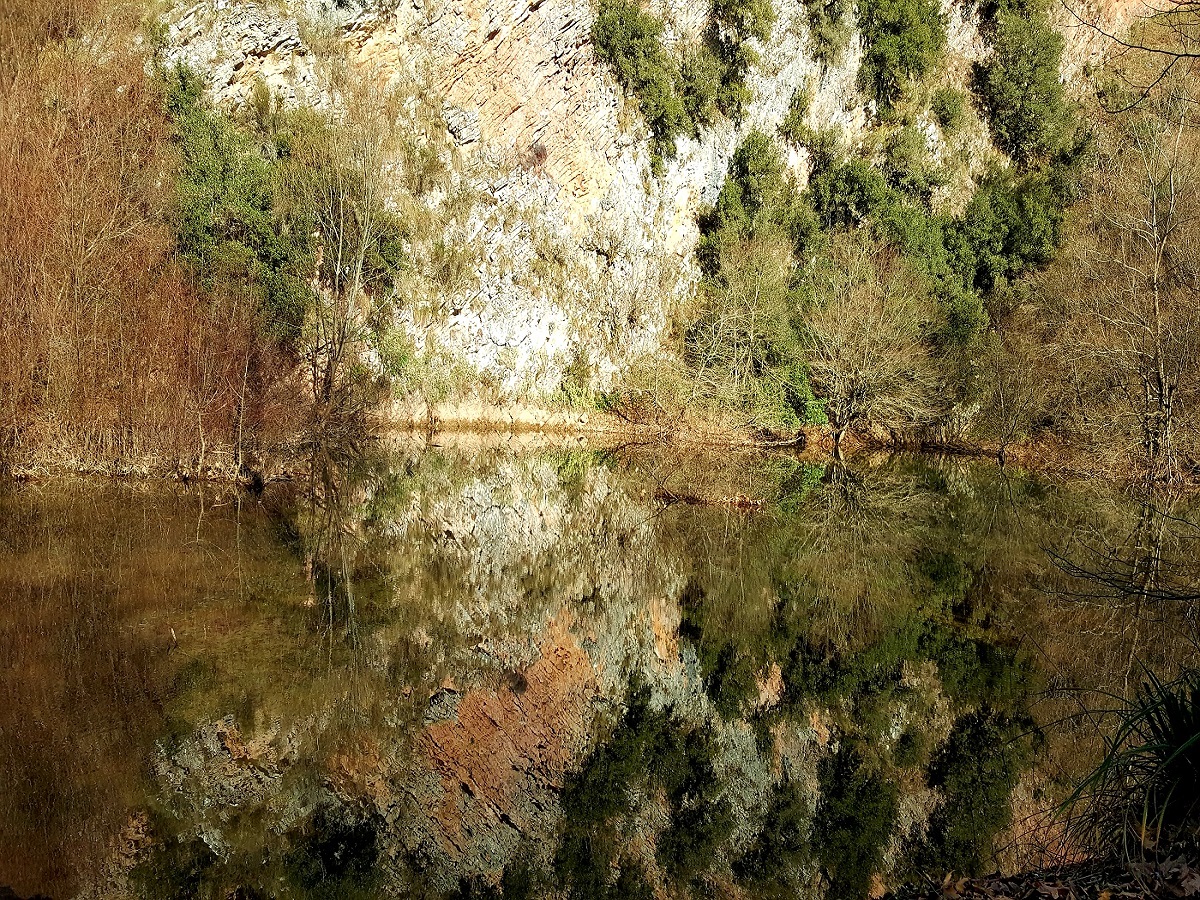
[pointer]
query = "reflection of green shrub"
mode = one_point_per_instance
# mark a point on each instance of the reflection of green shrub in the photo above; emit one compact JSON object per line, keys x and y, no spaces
{"x":976,"y":770}
{"x":911,"y":748}
{"x":771,"y":864}
{"x":902,"y":40}
{"x":335,"y":852}
{"x":796,"y":488}
{"x":726,"y":667}
{"x":649,"y":749}
{"x":853,"y":822}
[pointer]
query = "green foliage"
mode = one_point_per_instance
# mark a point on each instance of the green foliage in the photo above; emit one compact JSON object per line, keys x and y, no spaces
{"x":1012,"y":225}
{"x":1020,"y":89}
{"x":853,"y":822}
{"x":732,"y":24}
{"x":908,"y":163}
{"x":677,"y":100}
{"x":746,"y":346}
{"x":793,"y":128}
{"x":757,"y":198}
{"x":949,"y":107}
{"x":228,"y":233}
{"x":829,"y":28}
{"x":257,"y":214}
{"x":630,"y":41}
{"x":976,"y":770}
{"x":848,"y":194}
{"x":824,"y":145}
{"x":702,"y":84}
{"x":902,"y":40}
{"x":746,"y":342}
{"x":743,"y":20}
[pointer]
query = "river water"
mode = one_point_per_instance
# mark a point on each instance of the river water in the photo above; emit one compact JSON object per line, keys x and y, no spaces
{"x":480,"y":672}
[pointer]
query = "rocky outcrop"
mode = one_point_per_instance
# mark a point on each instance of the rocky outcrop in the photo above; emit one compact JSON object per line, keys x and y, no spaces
{"x":579,"y":259}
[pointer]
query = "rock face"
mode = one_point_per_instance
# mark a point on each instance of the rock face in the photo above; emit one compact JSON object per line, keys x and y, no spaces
{"x":578,"y":257}
{"x":500,"y":762}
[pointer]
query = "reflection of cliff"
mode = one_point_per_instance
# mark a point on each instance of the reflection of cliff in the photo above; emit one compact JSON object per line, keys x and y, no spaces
{"x":434,"y":672}
{"x":501,"y":608}
{"x":92,"y":581}
{"x":500,"y":761}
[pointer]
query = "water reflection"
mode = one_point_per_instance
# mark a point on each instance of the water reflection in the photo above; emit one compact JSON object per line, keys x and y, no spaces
{"x":478,"y":673}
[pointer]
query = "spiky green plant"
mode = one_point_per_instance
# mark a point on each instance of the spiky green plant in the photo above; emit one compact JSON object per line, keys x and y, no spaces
{"x":1145,"y":794}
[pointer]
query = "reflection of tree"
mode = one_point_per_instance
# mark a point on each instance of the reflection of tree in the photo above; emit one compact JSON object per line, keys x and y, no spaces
{"x":1141,"y":577}
{"x":329,"y":546}
{"x":1155,"y":562}
{"x":849,"y":543}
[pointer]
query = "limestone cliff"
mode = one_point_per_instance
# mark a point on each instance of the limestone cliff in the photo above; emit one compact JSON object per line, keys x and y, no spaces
{"x":574,"y":259}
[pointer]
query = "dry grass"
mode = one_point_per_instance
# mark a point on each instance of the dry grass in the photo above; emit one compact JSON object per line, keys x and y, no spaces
{"x":107,"y":355}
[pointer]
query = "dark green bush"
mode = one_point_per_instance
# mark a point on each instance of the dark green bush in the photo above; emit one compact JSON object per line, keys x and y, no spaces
{"x":949,"y":107}
{"x":743,"y":20}
{"x":902,"y":40}
{"x":702,"y":85}
{"x":1011,"y":225}
{"x":228,"y":233}
{"x":758,"y":198}
{"x":629,"y":39}
{"x":1020,"y":89}
{"x":746,"y":342}
{"x":847,"y":195}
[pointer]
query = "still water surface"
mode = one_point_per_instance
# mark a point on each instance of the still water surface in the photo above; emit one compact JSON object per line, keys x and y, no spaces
{"x":440,"y":672}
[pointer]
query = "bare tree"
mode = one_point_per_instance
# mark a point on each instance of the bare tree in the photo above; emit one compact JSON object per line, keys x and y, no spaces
{"x":744,"y":348}
{"x":1163,"y":43}
{"x":339,"y":182}
{"x":1130,"y":284}
{"x":866,"y":340}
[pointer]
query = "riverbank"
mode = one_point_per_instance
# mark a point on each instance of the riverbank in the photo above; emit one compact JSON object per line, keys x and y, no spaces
{"x":531,"y":427}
